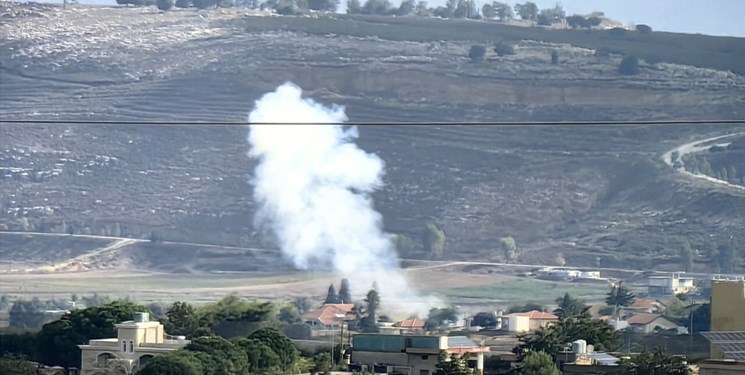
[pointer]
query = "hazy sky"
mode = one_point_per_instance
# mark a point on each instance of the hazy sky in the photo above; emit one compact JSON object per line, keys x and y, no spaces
{"x":715,"y":17}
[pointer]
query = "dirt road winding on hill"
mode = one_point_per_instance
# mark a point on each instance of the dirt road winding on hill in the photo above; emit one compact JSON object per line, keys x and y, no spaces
{"x":699,"y":146}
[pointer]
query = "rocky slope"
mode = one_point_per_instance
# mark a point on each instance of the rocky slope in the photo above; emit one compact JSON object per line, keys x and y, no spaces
{"x":595,"y":195}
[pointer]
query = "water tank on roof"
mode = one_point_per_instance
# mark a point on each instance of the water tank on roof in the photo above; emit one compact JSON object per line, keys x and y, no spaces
{"x":579,"y":347}
{"x":141,"y":317}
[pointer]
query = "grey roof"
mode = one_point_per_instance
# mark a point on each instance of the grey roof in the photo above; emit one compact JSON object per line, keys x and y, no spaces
{"x":604,"y":359}
{"x":731,"y":343}
{"x":455,"y":342}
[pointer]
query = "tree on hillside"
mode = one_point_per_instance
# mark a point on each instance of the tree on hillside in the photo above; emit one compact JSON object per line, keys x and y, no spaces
{"x":379,"y":7}
{"x":488,"y":11}
{"x":433,"y":240}
{"x":476,"y":53}
{"x":503,"y":10}
{"x":302,"y":304}
{"x":508,"y":247}
{"x":422,"y":10}
{"x":354,"y":7}
{"x":644,"y":29}
{"x":289,"y":314}
{"x":323,"y":5}
{"x":331,"y":296}
{"x":527,"y":11}
{"x":538,"y":363}
{"x":555,"y":61}
{"x":452,"y":365}
{"x":570,"y":307}
{"x":406,"y":8}
{"x":629,"y":66}
{"x":576,"y":22}
{"x":232,"y":316}
{"x":164,"y":5}
{"x":550,"y":16}
{"x":345,"y":293}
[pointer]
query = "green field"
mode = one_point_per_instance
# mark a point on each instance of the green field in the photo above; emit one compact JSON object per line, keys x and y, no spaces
{"x":516,"y":292}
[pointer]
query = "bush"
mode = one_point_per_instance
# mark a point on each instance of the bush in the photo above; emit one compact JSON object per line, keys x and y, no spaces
{"x":629,"y":66}
{"x":617,"y":33}
{"x":554,"y":57}
{"x":644,"y":29}
{"x":164,"y":5}
{"x":503,"y":49}
{"x":476,"y":54}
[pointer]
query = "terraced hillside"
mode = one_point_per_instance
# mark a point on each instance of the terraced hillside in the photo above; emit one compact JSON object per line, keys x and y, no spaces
{"x":597,"y":195}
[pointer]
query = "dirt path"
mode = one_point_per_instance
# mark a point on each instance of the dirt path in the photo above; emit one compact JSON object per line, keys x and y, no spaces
{"x":698,"y":146}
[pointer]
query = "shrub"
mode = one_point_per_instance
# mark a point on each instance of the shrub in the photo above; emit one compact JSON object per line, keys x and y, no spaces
{"x":554,"y":57}
{"x":503,"y":49}
{"x":617,"y":33}
{"x":644,"y":29}
{"x":164,"y":5}
{"x":476,"y":54}
{"x":629,"y":66}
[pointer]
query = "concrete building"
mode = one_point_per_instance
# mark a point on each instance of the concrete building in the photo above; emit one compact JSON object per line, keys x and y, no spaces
{"x":409,"y":354}
{"x":670,"y":284}
{"x":720,"y":367}
{"x":582,"y":359}
{"x":727,"y":313}
{"x":528,"y":321}
{"x":649,"y":323}
{"x":137,"y":341}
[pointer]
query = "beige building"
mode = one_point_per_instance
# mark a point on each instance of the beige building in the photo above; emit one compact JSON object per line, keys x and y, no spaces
{"x":719,"y":367}
{"x":727,"y":319}
{"x":137,"y":342}
{"x":670,"y":284}
{"x":528,"y":321}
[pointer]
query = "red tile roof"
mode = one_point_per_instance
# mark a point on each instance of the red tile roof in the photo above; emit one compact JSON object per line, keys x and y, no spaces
{"x":537,"y":315}
{"x":643,"y":319}
{"x":330,"y":314}
{"x":643,"y":303}
{"x":411,"y":323}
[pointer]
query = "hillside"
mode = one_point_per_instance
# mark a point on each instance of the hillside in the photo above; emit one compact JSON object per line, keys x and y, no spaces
{"x":597,"y":195}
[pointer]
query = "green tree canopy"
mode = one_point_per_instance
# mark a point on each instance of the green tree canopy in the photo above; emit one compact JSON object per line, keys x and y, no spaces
{"x":620,"y":296}
{"x":261,"y":358}
{"x":345,"y":292}
{"x":223,"y":358}
{"x":551,"y":339}
{"x":538,"y":363}
{"x":527,"y":11}
{"x":369,"y":322}
{"x":570,"y":307}
{"x":58,"y":341}
{"x":331,"y":296}
{"x":279,"y":343}
{"x":655,"y":363}
{"x":179,"y":362}
{"x":182,"y":320}
{"x":452,"y":365}
{"x":14,"y":365}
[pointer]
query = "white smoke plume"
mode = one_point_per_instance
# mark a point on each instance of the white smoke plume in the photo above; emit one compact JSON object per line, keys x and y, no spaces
{"x":312,"y":185}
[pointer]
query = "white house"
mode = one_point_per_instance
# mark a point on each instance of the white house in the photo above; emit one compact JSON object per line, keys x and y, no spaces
{"x":137,"y":341}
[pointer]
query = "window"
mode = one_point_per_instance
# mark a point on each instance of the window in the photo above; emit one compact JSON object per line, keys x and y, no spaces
{"x":425,"y":357}
{"x":124,"y":346}
{"x":423,"y":372}
{"x":131,"y":346}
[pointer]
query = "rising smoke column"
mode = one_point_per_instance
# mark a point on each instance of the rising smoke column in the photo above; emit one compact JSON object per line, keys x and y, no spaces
{"x":313,"y":185}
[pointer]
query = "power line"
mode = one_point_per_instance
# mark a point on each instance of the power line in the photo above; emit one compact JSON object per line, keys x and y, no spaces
{"x":380,"y":123}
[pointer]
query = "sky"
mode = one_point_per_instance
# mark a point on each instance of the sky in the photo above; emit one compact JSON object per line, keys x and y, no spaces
{"x":712,"y":17}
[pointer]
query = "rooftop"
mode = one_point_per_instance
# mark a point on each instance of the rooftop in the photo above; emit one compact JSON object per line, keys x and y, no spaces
{"x":536,"y":315}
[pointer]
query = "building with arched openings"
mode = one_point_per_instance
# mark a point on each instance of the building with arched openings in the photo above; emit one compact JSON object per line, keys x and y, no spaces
{"x":137,"y":341}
